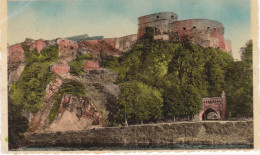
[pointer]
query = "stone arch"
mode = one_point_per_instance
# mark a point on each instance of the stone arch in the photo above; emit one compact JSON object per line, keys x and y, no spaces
{"x":214,"y":114}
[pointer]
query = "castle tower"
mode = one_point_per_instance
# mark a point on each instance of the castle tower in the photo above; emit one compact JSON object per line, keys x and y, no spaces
{"x":159,"y":21}
{"x":204,"y":32}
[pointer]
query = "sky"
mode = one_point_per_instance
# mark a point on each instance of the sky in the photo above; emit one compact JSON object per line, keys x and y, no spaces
{"x":115,"y":18}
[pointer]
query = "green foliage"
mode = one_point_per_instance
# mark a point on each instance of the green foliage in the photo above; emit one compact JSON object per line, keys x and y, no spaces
{"x":27,"y":93}
{"x":184,"y":73}
{"x":247,"y":52}
{"x":29,"y":90}
{"x":77,"y":65}
{"x":74,"y":88}
{"x":181,"y":101}
{"x":17,"y":125}
{"x":139,"y":102}
{"x":49,"y":54}
{"x":240,"y":85}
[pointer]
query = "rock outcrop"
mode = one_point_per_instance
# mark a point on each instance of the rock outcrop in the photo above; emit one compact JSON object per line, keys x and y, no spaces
{"x":40,"y":120}
{"x":39,"y":45}
{"x":101,"y":91}
{"x":75,"y":114}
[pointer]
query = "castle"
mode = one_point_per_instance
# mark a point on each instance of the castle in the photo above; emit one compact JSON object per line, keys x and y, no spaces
{"x":204,"y":32}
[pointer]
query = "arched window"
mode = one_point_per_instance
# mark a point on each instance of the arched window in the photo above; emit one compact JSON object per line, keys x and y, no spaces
{"x":172,"y":17}
{"x":184,"y":28}
{"x":157,"y":17}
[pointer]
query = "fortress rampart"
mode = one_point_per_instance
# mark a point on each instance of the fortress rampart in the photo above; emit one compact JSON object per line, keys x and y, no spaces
{"x":159,"y":21}
{"x":204,"y":32}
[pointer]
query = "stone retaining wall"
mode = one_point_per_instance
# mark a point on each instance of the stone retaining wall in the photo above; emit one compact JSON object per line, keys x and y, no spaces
{"x":204,"y":133}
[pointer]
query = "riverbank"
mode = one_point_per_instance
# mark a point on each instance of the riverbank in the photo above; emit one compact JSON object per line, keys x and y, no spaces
{"x":207,"y":133}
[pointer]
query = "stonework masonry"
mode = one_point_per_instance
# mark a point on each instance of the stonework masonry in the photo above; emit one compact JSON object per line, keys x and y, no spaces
{"x":207,"y":33}
{"x":169,"y":134}
{"x":90,"y":65}
{"x":159,"y":21}
{"x":215,"y":106}
{"x":61,"y":69}
{"x":204,"y":32}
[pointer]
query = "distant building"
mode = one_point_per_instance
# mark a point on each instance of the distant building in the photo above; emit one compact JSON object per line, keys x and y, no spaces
{"x":84,"y":37}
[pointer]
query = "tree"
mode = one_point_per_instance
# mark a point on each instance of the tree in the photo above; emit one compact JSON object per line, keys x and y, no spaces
{"x":240,"y":85}
{"x":246,"y":52}
{"x":139,"y":102}
{"x":181,"y":101}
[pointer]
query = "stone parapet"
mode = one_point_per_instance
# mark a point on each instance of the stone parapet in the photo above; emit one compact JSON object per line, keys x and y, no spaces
{"x":192,"y":133}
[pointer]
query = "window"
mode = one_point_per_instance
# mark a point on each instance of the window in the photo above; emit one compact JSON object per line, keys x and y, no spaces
{"x":172,"y":17}
{"x":184,"y":28}
{"x":157,"y":17}
{"x":194,"y":27}
{"x":208,"y":27}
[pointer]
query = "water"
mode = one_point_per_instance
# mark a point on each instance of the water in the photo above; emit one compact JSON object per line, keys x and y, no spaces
{"x":168,"y":147}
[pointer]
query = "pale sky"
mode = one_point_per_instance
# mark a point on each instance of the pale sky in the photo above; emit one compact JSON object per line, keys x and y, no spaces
{"x":115,"y":18}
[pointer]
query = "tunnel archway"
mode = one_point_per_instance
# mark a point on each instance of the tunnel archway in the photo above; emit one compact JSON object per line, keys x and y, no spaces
{"x":210,"y":114}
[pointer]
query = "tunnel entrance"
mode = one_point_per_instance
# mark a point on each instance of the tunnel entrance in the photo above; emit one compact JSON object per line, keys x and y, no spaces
{"x":210,"y":114}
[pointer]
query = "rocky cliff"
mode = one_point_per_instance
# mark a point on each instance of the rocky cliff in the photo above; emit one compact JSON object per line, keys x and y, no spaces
{"x":92,"y":110}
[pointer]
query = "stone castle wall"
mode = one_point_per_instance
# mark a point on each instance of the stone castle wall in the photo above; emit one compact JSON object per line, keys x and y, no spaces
{"x":90,"y":65}
{"x":207,"y":33}
{"x":204,"y":32}
{"x":125,"y":43}
{"x":159,"y":21}
{"x":191,"y":133}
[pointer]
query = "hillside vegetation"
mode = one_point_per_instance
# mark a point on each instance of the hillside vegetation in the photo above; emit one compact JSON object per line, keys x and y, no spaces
{"x":28,"y":92}
{"x":164,"y":80}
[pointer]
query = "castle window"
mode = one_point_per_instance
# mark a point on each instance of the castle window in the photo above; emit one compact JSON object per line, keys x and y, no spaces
{"x":194,"y":27}
{"x":208,"y":27}
{"x":184,"y":28}
{"x":157,"y":17}
{"x":172,"y":17}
